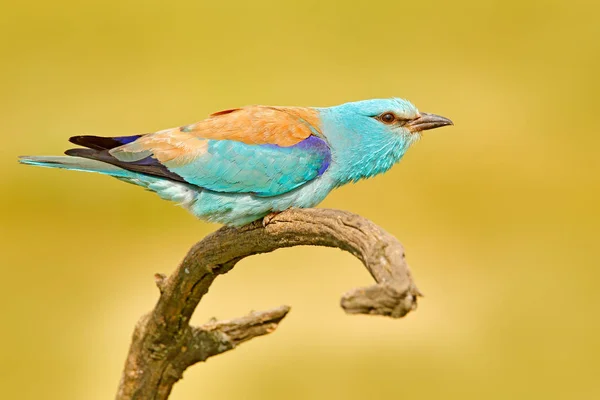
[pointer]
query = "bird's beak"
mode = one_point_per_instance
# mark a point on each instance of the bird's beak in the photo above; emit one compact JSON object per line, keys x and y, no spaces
{"x":427,"y":121}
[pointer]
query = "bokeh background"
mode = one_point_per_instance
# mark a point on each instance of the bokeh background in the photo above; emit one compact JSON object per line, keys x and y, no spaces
{"x":499,"y":214}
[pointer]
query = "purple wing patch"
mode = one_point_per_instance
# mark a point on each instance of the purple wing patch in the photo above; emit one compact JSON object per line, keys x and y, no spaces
{"x":318,"y":146}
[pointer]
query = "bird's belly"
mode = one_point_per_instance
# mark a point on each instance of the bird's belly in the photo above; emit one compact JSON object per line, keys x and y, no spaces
{"x":240,"y":208}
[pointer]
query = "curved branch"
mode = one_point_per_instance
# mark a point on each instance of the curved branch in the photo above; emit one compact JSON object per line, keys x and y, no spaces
{"x":164,"y":344}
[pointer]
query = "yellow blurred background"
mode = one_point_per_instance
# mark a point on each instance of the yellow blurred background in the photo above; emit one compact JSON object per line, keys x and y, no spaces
{"x":499,"y":214}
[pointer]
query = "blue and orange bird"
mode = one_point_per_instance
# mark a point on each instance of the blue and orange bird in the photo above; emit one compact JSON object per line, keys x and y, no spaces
{"x":242,"y":164}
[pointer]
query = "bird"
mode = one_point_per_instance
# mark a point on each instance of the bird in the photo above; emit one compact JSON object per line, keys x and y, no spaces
{"x":245,"y":164}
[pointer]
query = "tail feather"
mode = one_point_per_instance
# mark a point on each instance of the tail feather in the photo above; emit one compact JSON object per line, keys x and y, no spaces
{"x":74,"y":163}
{"x":167,"y":189}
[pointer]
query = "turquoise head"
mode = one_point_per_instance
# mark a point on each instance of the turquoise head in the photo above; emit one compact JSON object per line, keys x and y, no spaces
{"x":368,"y":137}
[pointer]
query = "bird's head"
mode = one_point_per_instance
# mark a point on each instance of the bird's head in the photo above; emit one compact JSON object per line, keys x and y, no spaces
{"x":372,"y":135}
{"x":396,"y":117}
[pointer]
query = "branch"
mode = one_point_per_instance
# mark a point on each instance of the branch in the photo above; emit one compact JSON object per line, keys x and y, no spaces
{"x":164,"y":344}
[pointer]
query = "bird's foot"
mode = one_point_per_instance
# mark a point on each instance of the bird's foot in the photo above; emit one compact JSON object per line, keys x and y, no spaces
{"x":268,"y":218}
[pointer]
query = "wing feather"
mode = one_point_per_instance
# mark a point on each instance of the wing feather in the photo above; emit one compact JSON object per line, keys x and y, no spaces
{"x":262,"y":150}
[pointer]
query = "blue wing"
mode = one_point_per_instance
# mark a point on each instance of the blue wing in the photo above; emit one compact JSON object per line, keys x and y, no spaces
{"x":219,"y":165}
{"x":263,"y":150}
{"x":265,"y":170}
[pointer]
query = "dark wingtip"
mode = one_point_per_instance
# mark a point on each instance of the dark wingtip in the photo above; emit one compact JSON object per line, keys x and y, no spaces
{"x":102,"y":143}
{"x":76,"y":139}
{"x":92,"y":142}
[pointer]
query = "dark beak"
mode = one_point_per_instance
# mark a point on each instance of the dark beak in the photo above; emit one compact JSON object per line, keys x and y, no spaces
{"x":427,"y":121}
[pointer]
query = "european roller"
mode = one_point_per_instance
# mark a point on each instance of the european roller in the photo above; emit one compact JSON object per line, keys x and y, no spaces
{"x":243,"y":164}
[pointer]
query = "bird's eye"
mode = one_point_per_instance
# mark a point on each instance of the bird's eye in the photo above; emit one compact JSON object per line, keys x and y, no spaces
{"x":387,"y":118}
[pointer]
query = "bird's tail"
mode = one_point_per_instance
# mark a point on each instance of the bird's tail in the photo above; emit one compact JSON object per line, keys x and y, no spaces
{"x":76,"y":164}
{"x":169,"y":190}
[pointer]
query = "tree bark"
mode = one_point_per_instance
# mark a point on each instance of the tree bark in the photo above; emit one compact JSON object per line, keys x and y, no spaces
{"x":164,"y":344}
